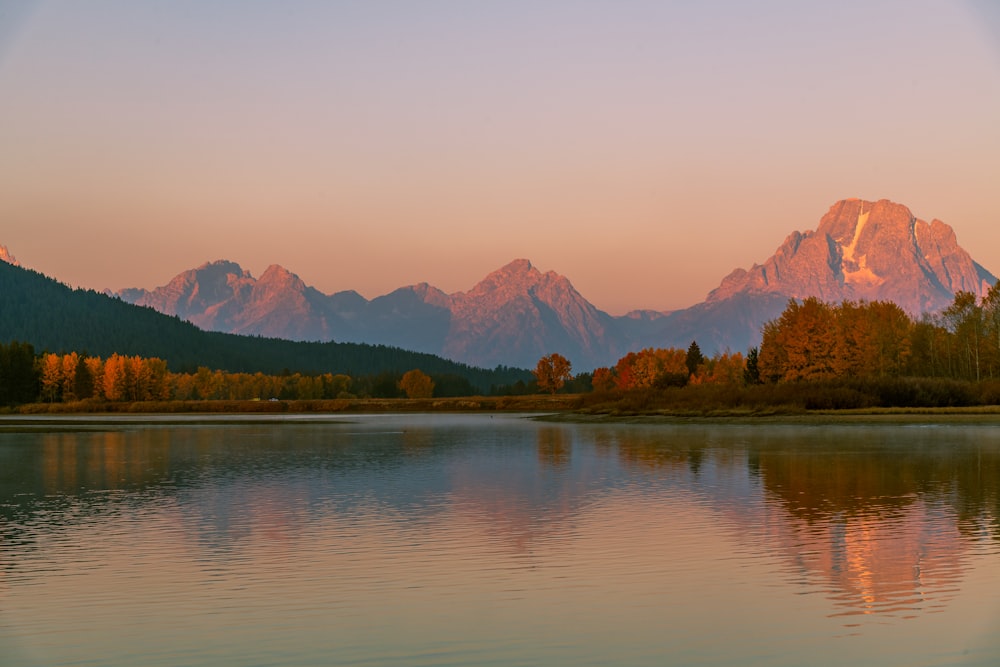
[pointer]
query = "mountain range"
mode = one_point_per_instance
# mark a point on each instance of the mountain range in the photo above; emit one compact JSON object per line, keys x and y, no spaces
{"x":512,"y":317}
{"x":861,"y":250}
{"x":53,"y":317}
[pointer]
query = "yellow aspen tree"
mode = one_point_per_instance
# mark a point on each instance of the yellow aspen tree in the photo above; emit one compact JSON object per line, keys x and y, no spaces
{"x":646,"y":369}
{"x":206,"y":383}
{"x":156,"y":374}
{"x":115,"y":382}
{"x":726,"y":368}
{"x":52,"y":378}
{"x":772,"y":357}
{"x":96,"y":367}
{"x":340,"y":386}
{"x":853,"y":344}
{"x":892,"y":339}
{"x":672,"y":360}
{"x":800,"y":344}
{"x":69,"y":364}
{"x":182,"y":386}
{"x":417,"y":384}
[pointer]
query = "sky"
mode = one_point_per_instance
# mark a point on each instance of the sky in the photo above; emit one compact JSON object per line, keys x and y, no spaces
{"x":642,"y":148}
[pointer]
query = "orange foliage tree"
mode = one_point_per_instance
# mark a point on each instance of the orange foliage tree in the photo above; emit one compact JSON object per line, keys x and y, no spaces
{"x":643,"y":369}
{"x":725,"y":368}
{"x":603,"y":379}
{"x":800,"y":344}
{"x":552,"y":372}
{"x":815,"y":340}
{"x":417,"y":384}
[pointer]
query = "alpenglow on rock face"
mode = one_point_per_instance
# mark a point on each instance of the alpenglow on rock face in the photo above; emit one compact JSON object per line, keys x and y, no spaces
{"x":866,"y":251}
{"x":861,"y":250}
{"x":519,"y":314}
{"x":513,"y":317}
{"x":5,"y":256}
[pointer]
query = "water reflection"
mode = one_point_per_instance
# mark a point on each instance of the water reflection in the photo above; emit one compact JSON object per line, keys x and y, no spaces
{"x":881,"y":517}
{"x":882,"y":520}
{"x":554,"y":446}
{"x":877,"y":522}
{"x":107,"y":461}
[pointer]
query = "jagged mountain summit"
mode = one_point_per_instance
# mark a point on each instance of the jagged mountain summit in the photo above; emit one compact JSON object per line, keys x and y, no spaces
{"x":866,"y":251}
{"x":512,"y":317}
{"x":861,"y":250}
{"x":222,"y":296}
{"x":519,"y":308}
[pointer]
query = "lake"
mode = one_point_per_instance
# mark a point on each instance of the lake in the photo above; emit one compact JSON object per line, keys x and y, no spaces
{"x":496,"y":540}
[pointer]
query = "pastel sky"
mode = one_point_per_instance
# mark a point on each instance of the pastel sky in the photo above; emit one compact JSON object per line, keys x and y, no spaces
{"x":642,"y":148}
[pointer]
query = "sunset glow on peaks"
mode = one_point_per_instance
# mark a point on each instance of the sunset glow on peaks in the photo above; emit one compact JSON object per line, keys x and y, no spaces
{"x":645,"y":149}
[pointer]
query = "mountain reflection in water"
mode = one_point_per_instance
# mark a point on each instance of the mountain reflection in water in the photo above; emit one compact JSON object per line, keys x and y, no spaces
{"x":878,"y":521}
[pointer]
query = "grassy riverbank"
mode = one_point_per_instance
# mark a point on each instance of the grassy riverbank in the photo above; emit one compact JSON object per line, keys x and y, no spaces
{"x":990,"y":415}
{"x":561,"y":407}
{"x":532,"y":403}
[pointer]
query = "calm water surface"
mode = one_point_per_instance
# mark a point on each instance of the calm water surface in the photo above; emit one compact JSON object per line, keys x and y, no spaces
{"x":479,"y":540}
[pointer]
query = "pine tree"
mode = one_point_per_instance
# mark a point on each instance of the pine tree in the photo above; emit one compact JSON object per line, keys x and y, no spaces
{"x":694,"y":358}
{"x":751,"y":374}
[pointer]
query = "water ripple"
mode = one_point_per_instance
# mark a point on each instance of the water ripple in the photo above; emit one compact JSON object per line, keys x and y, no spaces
{"x":305,"y":544}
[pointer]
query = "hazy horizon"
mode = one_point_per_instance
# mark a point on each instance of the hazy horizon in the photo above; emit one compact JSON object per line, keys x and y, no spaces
{"x":642,"y":149}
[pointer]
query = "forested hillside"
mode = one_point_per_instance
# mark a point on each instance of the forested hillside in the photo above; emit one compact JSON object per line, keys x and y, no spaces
{"x":53,"y":317}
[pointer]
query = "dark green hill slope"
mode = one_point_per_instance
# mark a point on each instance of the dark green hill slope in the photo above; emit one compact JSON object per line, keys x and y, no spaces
{"x":54,"y":317}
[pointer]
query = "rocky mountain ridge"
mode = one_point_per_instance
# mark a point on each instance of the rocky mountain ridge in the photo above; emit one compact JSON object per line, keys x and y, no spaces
{"x":861,"y":250}
{"x":866,"y":251}
{"x":508,"y":318}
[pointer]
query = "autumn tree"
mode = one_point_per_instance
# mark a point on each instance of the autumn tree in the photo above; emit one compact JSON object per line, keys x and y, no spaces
{"x":115,"y":380}
{"x":647,"y":368}
{"x":603,"y":379}
{"x":651,"y":367}
{"x":891,"y":342}
{"x":815,"y":340}
{"x":208,"y":384}
{"x":417,"y":384}
{"x":800,"y":344}
{"x":552,"y":372}
{"x":51,"y":368}
{"x":991,"y":330}
{"x":95,"y":368}
{"x":336,"y":386}
{"x":182,"y":386}
{"x":157,"y":378}
{"x":726,"y":368}
{"x":964,"y":319}
{"x":622,"y":371}
{"x":853,"y":347}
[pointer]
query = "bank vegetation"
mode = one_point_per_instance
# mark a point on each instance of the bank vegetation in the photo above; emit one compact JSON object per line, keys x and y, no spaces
{"x":816,"y":356}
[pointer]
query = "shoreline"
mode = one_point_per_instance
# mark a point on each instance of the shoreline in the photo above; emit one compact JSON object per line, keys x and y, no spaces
{"x":557,"y":409}
{"x":888,"y":416}
{"x":485,"y":404}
